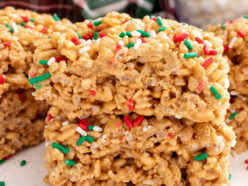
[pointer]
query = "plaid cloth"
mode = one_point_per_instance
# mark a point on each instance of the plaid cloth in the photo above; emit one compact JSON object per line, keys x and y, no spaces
{"x":78,"y":10}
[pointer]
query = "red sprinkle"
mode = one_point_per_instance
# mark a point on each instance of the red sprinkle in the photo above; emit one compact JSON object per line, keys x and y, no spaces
{"x":8,"y":157}
{"x":199,"y":40}
{"x":83,"y":121}
{"x":128,"y":122}
{"x":212,"y":52}
{"x":44,"y":30}
{"x":180,"y":37}
{"x":33,"y":75}
{"x":25,"y":19}
{"x":92,"y":92}
{"x":201,"y":85}
{"x":171,"y":136}
{"x":205,"y":49}
{"x":117,"y":124}
{"x":154,"y":19}
{"x":117,"y":48}
{"x":84,"y":126}
{"x":75,"y":40}
{"x":247,"y":168}
{"x":58,"y":59}
{"x":130,"y":104}
{"x":246,"y":161}
{"x":231,"y":21}
{"x":1,"y":80}
{"x":49,"y":117}
{"x":90,"y":25}
{"x":102,"y":35}
{"x":7,"y":44}
{"x":138,"y":121}
{"x":19,"y":96}
{"x":208,"y":62}
{"x":124,"y":21}
{"x":143,"y":40}
{"x":241,"y":34}
{"x":88,"y":36}
{"x":26,"y":26}
{"x":226,"y":48}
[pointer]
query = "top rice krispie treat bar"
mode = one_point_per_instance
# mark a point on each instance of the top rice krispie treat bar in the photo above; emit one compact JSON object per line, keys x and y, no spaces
{"x":234,"y":36}
{"x":119,"y":65}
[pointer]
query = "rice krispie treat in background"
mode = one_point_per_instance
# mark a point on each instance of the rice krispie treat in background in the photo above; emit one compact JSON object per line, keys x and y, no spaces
{"x":116,"y":150}
{"x":21,"y":117}
{"x":122,"y":65}
{"x":234,"y":36}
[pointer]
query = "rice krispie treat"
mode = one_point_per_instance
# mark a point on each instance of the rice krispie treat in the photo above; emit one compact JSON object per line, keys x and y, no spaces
{"x":117,"y":150}
{"x":121,"y":65}
{"x":21,"y":117}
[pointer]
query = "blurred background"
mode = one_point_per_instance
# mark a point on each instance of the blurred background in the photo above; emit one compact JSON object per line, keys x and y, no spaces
{"x":196,"y":12}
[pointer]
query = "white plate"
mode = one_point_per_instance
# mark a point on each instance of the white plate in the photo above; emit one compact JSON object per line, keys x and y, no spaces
{"x":33,"y":172}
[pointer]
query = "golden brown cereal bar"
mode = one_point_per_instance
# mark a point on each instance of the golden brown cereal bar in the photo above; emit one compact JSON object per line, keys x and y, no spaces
{"x":21,"y":121}
{"x":152,"y":67}
{"x":150,"y":152}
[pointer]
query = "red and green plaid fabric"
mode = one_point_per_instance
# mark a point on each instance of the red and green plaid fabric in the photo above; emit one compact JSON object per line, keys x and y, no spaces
{"x":78,"y":10}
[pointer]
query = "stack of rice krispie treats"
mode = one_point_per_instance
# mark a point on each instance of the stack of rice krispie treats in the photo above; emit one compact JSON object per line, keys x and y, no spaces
{"x":134,"y":102}
{"x":22,"y":119}
{"x":234,"y":35}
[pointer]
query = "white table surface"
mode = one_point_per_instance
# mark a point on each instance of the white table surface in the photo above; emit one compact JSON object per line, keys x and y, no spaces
{"x":33,"y":172}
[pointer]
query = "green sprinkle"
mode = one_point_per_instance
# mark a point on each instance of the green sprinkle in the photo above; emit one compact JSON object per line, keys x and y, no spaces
{"x":215,"y":92}
{"x":162,"y":28}
{"x":79,"y":36}
{"x":201,"y":156}
{"x":98,"y":22}
{"x":190,"y":55}
{"x":230,"y":177}
{"x":90,"y":127}
{"x":39,"y":78}
{"x":43,"y":62}
{"x":188,"y":44}
{"x":10,"y":29}
{"x":56,"y":17}
{"x":152,"y":16}
{"x":159,"y":21}
{"x":49,"y":37}
{"x":70,"y":162}
{"x":233,"y":115}
{"x":60,"y":147}
{"x":2,"y":161}
{"x":81,"y":140}
{"x":38,"y":86}
{"x":129,"y":34}
{"x":144,"y":33}
{"x":23,"y":23}
{"x":129,"y":45}
{"x":31,"y":20}
{"x":184,"y":24}
{"x":122,"y":34}
{"x":90,"y":139}
{"x":23,"y":163}
{"x":96,"y":35}
{"x":246,"y":16}
{"x":2,"y":183}
{"x":223,"y":26}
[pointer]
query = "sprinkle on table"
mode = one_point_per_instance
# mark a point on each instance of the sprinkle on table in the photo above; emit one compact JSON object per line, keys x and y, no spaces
{"x":10,"y":29}
{"x":162,"y":28}
{"x":60,"y":147}
{"x":241,"y":34}
{"x":23,"y":163}
{"x":223,"y":26}
{"x":2,"y":183}
{"x":208,"y":62}
{"x":39,"y":78}
{"x":201,"y":156}
{"x":230,"y":176}
{"x":246,"y":161}
{"x":2,"y":161}
{"x":129,"y":45}
{"x":98,"y":22}
{"x":56,"y":17}
{"x":188,"y":44}
{"x":233,"y":115}
{"x":215,"y":92}
{"x":190,"y":55}
{"x":1,"y":79}
{"x":159,"y":21}
{"x":70,"y":162}
{"x":180,"y":37}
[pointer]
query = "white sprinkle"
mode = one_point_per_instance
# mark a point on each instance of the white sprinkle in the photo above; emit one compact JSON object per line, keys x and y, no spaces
{"x":51,"y":61}
{"x":46,"y":126}
{"x":81,"y":131}
{"x":14,"y":15}
{"x":242,"y":97}
{"x":104,"y":136}
{"x":233,"y":143}
{"x":145,"y":129}
{"x":137,"y":44}
{"x":208,"y":43}
{"x":94,"y":147}
{"x":228,"y":120}
{"x":14,"y":27}
{"x":227,"y":83}
{"x":135,"y":33}
{"x":121,"y":43}
{"x":47,"y":144}
{"x":65,"y":123}
{"x":89,"y":41}
{"x":15,"y":38}
{"x":178,"y":117}
{"x":58,"y":118}
{"x":98,"y":40}
{"x":98,"y":129}
{"x":234,"y":93}
{"x":232,"y":42}
{"x":84,"y":49}
{"x":153,"y":33}
{"x":33,"y":93}
{"x":148,"y":182}
{"x":82,"y":41}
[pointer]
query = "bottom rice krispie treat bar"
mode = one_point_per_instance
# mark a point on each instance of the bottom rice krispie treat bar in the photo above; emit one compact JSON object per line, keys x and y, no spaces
{"x":21,"y":121}
{"x":117,"y":150}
